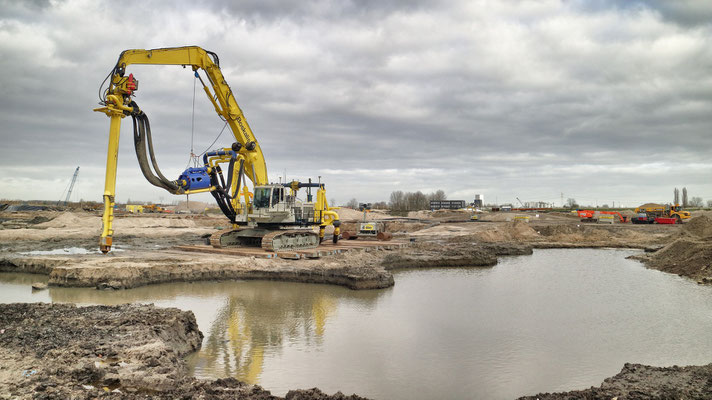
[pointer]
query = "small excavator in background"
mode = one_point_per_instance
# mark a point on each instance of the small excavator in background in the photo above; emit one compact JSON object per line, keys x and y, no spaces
{"x":270,"y":216}
{"x":590,"y":215}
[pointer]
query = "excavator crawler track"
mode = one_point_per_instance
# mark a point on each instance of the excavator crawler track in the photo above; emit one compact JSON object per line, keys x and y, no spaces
{"x":215,"y":238}
{"x":272,"y":241}
{"x":290,"y":240}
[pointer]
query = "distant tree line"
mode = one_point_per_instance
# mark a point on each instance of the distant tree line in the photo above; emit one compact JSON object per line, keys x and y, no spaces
{"x":413,"y":201}
{"x":354,"y":204}
{"x":692,"y":202}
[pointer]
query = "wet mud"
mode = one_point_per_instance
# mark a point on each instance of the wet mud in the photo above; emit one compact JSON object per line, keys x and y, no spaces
{"x":644,"y":382}
{"x":60,"y":351}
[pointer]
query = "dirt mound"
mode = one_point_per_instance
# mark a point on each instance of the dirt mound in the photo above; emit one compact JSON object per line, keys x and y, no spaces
{"x":684,"y":256}
{"x":521,"y":230}
{"x":398,"y":226}
{"x":456,"y":214}
{"x":143,"y":222}
{"x":72,"y":220}
{"x":423,"y":214}
{"x":636,"y":381}
{"x":349,"y":214}
{"x":192,"y":206}
{"x":700,"y":226}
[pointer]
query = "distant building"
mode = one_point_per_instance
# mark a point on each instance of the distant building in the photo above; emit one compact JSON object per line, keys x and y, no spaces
{"x":479,"y":201}
{"x":447,"y":204}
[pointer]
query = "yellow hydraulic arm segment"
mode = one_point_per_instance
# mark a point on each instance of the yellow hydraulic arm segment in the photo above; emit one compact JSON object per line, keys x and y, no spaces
{"x":117,"y":105}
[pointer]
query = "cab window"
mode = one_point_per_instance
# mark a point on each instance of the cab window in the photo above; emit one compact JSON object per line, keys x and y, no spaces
{"x":261,"y":199}
{"x":276,"y":196}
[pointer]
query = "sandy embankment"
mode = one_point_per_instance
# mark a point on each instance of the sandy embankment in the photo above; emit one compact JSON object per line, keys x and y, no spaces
{"x":445,"y":239}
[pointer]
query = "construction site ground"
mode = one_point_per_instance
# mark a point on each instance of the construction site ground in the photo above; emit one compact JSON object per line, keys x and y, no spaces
{"x":156,"y":248}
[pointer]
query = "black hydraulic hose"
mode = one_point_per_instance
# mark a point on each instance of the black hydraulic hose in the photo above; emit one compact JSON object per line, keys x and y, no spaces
{"x":140,"y":147}
{"x":172,"y":186}
{"x":222,"y":187}
{"x":143,"y":137}
{"x":219,"y":196}
{"x":230,"y":173}
{"x":239,"y":177}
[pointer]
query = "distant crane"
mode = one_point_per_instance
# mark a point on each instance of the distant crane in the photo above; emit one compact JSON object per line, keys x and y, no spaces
{"x":520,"y":202}
{"x":71,"y":186}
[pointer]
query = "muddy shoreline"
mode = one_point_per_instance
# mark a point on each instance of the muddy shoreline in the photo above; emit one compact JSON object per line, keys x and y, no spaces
{"x":58,"y":351}
{"x":639,"y":382}
{"x":53,"y":351}
{"x":148,"y":255}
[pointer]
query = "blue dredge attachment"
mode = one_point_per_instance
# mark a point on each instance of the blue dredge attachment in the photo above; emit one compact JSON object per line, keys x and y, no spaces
{"x":195,"y":178}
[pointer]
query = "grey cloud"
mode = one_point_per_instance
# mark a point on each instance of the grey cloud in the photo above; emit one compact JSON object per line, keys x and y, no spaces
{"x":509,"y":98}
{"x":683,"y":12}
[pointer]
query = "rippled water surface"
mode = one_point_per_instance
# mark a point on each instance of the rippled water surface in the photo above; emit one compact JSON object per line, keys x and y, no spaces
{"x":556,"y":320}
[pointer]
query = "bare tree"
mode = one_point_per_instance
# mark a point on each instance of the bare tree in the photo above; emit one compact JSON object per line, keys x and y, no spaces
{"x":437,"y":196}
{"x":353,"y":203}
{"x":677,"y":196}
{"x":684,"y":197}
{"x":397,"y":201}
{"x":571,"y":203}
{"x":380,"y":205}
{"x":709,"y":203}
{"x":696,"y":202}
{"x":411,"y":201}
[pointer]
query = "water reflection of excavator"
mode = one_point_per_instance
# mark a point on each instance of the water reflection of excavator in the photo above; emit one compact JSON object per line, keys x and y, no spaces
{"x":254,"y":324}
{"x":270,"y":217}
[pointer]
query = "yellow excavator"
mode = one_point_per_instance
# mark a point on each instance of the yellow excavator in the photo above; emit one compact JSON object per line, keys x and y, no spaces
{"x":270,"y":216}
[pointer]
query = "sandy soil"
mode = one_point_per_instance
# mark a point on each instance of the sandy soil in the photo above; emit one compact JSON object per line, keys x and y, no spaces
{"x":145,"y":244}
{"x":71,"y":225}
{"x":60,"y":351}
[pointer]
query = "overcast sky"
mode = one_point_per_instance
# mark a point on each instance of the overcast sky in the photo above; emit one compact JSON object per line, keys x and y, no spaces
{"x":601,"y":101}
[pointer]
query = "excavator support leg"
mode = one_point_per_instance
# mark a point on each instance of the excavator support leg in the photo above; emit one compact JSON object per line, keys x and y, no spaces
{"x":110,"y":183}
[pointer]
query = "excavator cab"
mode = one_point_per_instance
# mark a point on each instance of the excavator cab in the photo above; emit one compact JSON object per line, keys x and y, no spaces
{"x":270,"y":197}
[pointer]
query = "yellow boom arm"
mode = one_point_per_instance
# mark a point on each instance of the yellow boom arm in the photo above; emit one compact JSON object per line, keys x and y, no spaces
{"x":117,"y":105}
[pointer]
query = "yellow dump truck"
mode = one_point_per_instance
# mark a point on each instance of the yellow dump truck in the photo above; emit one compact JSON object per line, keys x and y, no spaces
{"x":663,"y":211}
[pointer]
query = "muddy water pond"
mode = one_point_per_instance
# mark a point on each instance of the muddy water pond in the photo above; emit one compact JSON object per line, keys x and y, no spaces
{"x":556,"y":320}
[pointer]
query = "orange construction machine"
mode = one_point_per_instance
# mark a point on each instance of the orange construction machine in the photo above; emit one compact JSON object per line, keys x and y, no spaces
{"x":590,"y":215}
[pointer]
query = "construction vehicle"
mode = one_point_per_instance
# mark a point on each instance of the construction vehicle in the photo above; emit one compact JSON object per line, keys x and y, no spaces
{"x":135,"y":208}
{"x":370,"y":229}
{"x":153,"y":208}
{"x":590,"y":215}
{"x":663,"y":211}
{"x":270,"y":216}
